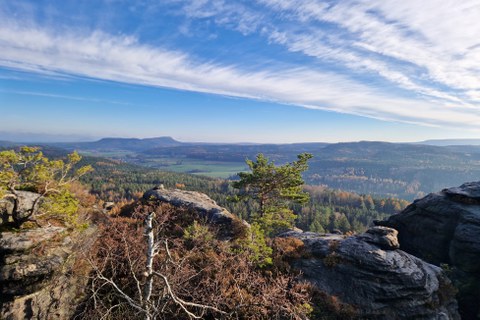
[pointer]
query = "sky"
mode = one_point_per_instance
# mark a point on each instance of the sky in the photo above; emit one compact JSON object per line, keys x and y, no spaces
{"x":240,"y":71}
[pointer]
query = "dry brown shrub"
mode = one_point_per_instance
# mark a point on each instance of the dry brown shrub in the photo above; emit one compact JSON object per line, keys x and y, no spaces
{"x":330,"y":307}
{"x":289,"y":247}
{"x":82,"y":194}
{"x":202,"y":270}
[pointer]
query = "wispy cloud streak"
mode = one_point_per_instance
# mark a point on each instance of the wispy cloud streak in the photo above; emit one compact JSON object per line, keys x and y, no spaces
{"x":384,"y":39}
{"x":429,"y":47}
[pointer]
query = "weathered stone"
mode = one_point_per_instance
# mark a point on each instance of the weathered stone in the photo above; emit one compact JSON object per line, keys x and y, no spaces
{"x":444,"y":228}
{"x":26,"y":239}
{"x":37,"y":276}
{"x":202,"y":204}
{"x":385,"y":238}
{"x":25,"y":204}
{"x":108,"y":205}
{"x":381,"y":284}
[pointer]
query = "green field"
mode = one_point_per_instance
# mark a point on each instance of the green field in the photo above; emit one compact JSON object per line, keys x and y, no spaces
{"x":209,"y":168}
{"x":215,"y":169}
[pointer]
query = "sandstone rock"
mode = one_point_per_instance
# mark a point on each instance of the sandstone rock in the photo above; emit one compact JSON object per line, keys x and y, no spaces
{"x":201,"y":204}
{"x":108,"y":206}
{"x":37,"y":276}
{"x":27,"y":239}
{"x":380,"y":284}
{"x":26,"y":200}
{"x":385,"y":238}
{"x":444,"y":228}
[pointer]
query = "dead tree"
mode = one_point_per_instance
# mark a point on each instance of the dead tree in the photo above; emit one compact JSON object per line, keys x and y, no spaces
{"x":143,"y":301}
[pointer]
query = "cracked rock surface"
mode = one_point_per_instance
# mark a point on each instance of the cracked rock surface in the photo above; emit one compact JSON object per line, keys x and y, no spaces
{"x":368,"y":272}
{"x":444,"y":228}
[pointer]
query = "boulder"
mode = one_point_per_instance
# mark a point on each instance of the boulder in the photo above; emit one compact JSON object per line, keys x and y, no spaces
{"x":444,"y":228}
{"x":368,"y":272}
{"x":26,"y":201}
{"x":27,"y":239}
{"x":385,"y":238}
{"x":201,"y":204}
{"x":108,"y":206}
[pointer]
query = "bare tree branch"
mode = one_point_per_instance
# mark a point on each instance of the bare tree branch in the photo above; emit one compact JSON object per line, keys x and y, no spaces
{"x":183,"y":303}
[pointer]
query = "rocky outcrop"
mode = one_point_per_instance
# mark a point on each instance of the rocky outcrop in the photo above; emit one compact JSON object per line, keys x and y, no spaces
{"x":25,"y":204}
{"x":366,"y":271}
{"x":385,"y":238}
{"x":40,"y":275}
{"x":203,"y":205}
{"x":370,"y":273}
{"x":444,"y":228}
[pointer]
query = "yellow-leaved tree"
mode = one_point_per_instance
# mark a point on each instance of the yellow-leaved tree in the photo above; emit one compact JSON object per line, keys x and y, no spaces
{"x":37,"y":186}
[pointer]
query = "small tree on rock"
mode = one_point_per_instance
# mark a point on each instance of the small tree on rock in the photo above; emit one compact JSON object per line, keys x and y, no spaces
{"x":29,"y":170}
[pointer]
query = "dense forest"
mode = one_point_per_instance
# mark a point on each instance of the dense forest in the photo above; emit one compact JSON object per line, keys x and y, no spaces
{"x":406,"y":171}
{"x":327,"y":210}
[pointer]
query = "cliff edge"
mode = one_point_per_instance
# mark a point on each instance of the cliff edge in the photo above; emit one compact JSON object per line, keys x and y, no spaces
{"x":443,"y":228}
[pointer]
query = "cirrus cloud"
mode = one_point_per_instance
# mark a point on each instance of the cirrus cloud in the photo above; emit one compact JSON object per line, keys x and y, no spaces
{"x":432,"y":61}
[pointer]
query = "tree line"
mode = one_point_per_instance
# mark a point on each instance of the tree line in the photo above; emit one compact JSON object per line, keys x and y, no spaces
{"x":326,"y":210}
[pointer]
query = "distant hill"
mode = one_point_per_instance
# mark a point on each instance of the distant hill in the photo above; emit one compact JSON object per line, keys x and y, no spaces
{"x":467,"y":149}
{"x":121,"y":144}
{"x":451,"y":142}
{"x":235,"y":152}
{"x":403,"y":170}
{"x":367,"y":167}
{"x":407,"y":171}
{"x":379,"y":150}
{"x":7,"y":144}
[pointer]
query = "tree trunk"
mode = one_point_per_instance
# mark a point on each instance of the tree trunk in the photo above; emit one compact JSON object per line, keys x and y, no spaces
{"x":147,"y":289}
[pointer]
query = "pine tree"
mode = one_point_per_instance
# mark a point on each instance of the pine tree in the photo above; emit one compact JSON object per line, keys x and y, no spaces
{"x":274,"y":188}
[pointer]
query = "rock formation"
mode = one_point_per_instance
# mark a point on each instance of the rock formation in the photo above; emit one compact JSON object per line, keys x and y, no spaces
{"x":203,"y":205}
{"x":40,"y":277}
{"x":39,"y":269}
{"x":444,"y":228}
{"x":368,"y":272}
{"x":25,"y":205}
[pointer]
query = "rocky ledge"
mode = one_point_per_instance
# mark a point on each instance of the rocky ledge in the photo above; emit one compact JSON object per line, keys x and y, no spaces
{"x":39,"y":275}
{"x":202,"y":205}
{"x":368,"y":272}
{"x":444,"y":228}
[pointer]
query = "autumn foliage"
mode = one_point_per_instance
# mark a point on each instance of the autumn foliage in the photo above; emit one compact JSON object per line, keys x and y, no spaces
{"x":199,"y":268}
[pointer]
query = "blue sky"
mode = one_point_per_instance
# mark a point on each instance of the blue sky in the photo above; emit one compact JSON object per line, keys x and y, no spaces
{"x":238,"y":71}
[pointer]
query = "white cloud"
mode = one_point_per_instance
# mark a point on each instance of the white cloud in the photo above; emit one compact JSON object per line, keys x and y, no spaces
{"x":121,"y":58}
{"x":62,"y":96}
{"x":232,"y":14}
{"x":419,"y":45}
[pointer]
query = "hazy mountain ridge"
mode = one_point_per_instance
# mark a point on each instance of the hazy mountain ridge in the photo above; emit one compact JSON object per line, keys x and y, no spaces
{"x":451,"y":142}
{"x":121,"y":144}
{"x":402,"y":170}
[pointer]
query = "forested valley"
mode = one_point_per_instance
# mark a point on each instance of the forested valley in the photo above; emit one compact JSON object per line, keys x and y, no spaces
{"x":327,"y":210}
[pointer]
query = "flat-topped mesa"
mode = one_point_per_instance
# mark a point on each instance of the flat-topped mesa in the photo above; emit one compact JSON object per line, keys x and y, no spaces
{"x":444,"y":228}
{"x":368,"y":272}
{"x":203,"y":205}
